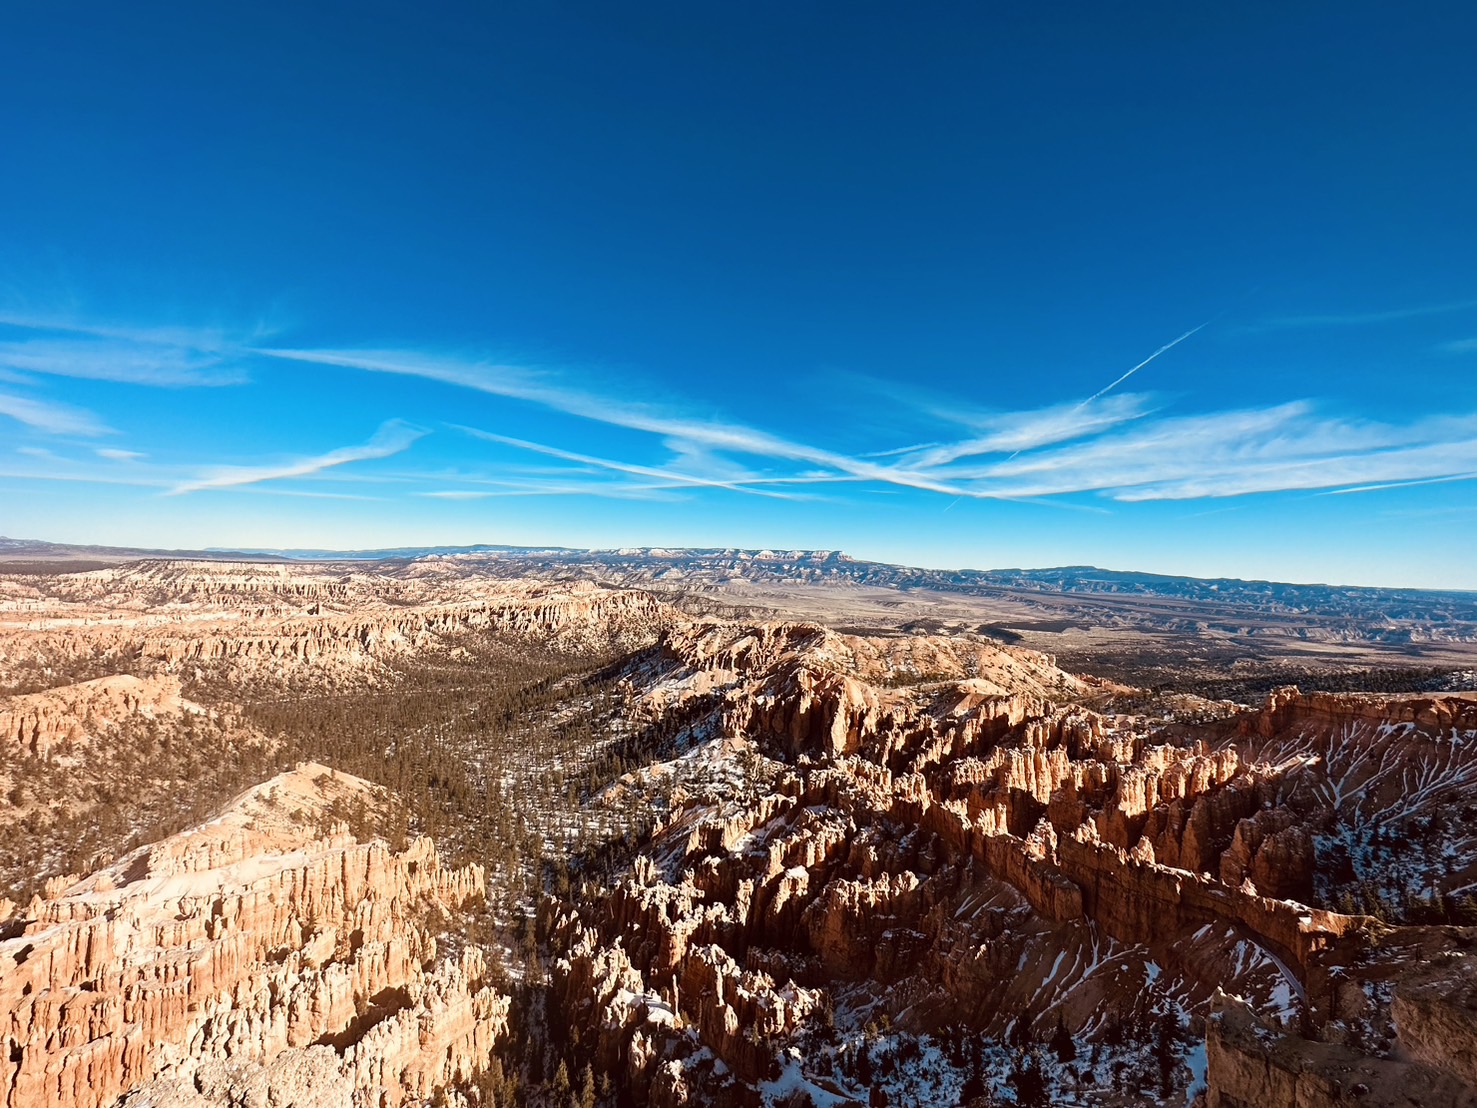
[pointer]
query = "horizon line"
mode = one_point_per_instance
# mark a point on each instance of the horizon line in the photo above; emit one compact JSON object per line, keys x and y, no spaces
{"x":309,"y":555}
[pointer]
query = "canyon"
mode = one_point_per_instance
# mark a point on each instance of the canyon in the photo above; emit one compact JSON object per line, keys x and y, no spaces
{"x":267,"y":949}
{"x":462,"y":828}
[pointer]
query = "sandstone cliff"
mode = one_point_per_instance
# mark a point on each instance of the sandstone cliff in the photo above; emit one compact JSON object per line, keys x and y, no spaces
{"x":265,"y":949}
{"x":936,"y":828}
{"x":1252,"y":1064}
{"x":277,"y":623}
{"x":39,"y":722}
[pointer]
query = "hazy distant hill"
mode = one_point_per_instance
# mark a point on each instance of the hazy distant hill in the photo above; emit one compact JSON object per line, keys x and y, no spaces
{"x":1005,"y":600}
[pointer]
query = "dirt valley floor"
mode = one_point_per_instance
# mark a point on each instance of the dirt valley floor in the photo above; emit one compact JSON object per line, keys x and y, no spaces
{"x":730,"y":828}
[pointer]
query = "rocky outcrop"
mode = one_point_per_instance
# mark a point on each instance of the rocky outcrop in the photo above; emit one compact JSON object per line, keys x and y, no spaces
{"x":944,"y":833}
{"x":272,"y":623}
{"x":1274,"y":851}
{"x":1435,"y":1013}
{"x":1364,"y":790}
{"x":585,"y":619}
{"x":1137,"y":900}
{"x":39,"y":722}
{"x":1251,"y":1064}
{"x":266,"y":946}
{"x":1290,"y":710}
{"x":738,"y":1013}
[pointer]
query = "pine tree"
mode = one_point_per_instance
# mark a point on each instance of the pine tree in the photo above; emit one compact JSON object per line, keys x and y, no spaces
{"x":1061,"y":1041}
{"x":560,"y":1085}
{"x":1164,"y":1051}
{"x":974,"y":1087}
{"x":1028,"y":1081}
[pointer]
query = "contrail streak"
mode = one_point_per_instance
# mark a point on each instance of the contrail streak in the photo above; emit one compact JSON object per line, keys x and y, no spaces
{"x":1109,"y":388}
{"x":1146,"y":361}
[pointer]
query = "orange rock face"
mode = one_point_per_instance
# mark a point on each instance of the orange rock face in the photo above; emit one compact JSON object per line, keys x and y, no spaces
{"x":273,"y":622}
{"x":935,"y":834}
{"x":265,"y":946}
{"x":39,"y":722}
{"x":946,"y":832}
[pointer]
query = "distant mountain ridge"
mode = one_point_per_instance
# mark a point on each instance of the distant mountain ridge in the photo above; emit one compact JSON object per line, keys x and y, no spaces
{"x":813,"y":566}
{"x":1143,"y":629}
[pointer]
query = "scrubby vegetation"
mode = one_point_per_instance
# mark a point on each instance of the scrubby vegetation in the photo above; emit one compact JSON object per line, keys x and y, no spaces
{"x":1247,"y":679}
{"x":495,"y":750}
{"x":87,"y":803}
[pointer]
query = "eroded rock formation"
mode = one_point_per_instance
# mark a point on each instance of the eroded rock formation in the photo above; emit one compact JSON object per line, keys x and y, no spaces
{"x":267,"y":948}
{"x":40,"y":722}
{"x":868,"y":845}
{"x":937,"y":828}
{"x":274,"y":623}
{"x":1254,"y":1064}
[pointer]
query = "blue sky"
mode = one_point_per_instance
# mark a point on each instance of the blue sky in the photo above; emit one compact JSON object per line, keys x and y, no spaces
{"x":1158,"y":286}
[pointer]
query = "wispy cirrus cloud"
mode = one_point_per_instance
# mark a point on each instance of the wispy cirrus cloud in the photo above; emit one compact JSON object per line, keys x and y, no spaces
{"x":87,"y":476}
{"x":197,"y":338}
{"x":521,"y":383}
{"x":1285,"y":448}
{"x":671,"y":477}
{"x":119,"y":360}
{"x":168,"y":357}
{"x":51,"y":417}
{"x":1362,"y":318}
{"x":513,"y":479}
{"x":1016,"y":432}
{"x":614,"y":490}
{"x":167,"y":479}
{"x":1120,"y":447}
{"x":393,"y":437}
{"x":536,"y":387}
{"x":308,"y":494}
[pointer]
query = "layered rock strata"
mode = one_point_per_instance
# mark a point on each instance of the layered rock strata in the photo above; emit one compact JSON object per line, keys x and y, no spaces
{"x":274,"y":623}
{"x":937,"y":826}
{"x":39,"y":722}
{"x":266,"y":948}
